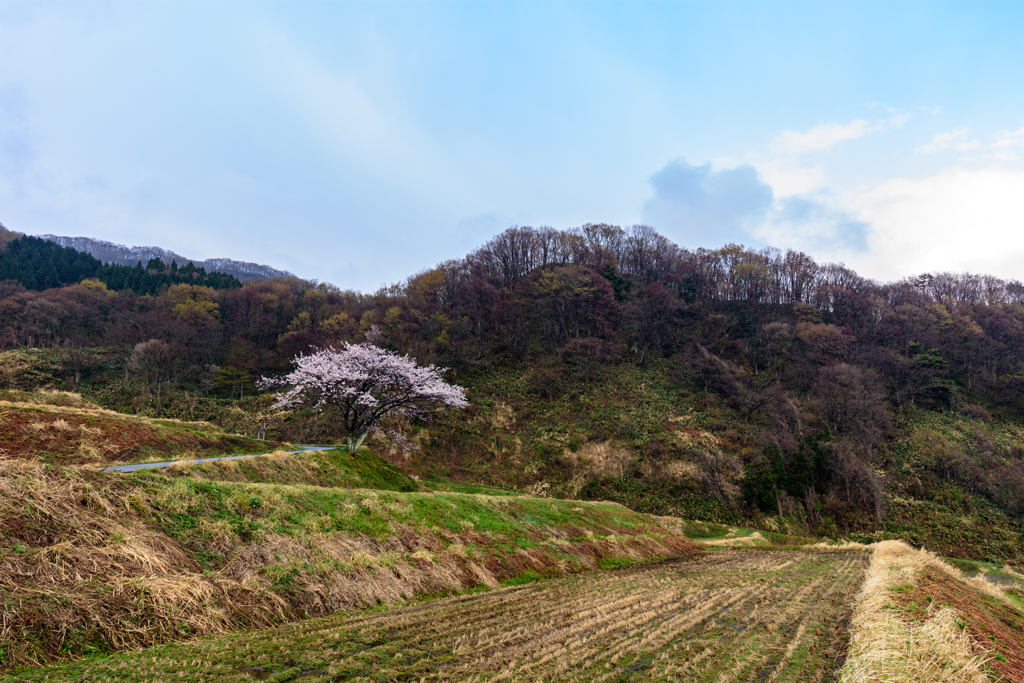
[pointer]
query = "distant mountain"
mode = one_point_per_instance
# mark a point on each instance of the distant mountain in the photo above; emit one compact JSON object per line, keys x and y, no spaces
{"x":109,"y":252}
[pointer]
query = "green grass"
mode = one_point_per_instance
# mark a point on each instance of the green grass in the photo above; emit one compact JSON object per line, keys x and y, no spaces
{"x":442,"y":486}
{"x":333,"y":468}
{"x":702,"y":530}
{"x":522,"y":579}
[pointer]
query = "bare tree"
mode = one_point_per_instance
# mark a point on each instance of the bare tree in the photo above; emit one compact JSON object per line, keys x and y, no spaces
{"x":852,"y":403}
{"x":156,"y":362}
{"x":714,"y":469}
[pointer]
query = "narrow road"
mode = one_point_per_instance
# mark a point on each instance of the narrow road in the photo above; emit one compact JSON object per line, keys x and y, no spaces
{"x":168,"y":463}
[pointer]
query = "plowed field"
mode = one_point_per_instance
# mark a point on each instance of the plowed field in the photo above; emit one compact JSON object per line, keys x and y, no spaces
{"x":728,"y":615}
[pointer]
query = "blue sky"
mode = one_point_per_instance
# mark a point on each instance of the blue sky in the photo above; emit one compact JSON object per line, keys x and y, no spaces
{"x":359,"y":143}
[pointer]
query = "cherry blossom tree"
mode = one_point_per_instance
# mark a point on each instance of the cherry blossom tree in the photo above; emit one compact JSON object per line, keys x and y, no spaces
{"x":366,"y":383}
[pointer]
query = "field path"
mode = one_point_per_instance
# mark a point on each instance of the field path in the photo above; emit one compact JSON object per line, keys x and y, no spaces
{"x":726,"y":615}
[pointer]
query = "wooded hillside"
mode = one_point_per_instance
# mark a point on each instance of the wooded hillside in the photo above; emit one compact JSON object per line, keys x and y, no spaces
{"x":815,"y":384}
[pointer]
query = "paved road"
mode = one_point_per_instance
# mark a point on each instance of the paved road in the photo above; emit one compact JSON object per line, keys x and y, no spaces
{"x":148,"y":465}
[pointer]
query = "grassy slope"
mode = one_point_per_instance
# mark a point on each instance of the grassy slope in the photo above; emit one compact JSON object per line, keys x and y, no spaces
{"x":335,"y":468}
{"x":721,"y":535}
{"x":631,"y":421}
{"x":104,"y":383}
{"x":64,"y":428}
{"x":94,"y":562}
{"x":631,"y":436}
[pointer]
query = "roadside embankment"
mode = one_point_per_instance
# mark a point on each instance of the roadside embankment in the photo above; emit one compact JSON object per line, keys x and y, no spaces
{"x":62,"y":428}
{"x":95,"y":562}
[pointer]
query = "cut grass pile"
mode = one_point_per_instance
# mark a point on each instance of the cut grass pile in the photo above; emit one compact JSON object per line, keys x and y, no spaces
{"x":732,"y":615}
{"x":63,"y":428}
{"x":96,"y":562}
{"x":920,"y":619}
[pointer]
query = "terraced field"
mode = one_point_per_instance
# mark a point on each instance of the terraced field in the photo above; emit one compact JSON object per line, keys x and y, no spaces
{"x":61,"y":428}
{"x":727,"y":615}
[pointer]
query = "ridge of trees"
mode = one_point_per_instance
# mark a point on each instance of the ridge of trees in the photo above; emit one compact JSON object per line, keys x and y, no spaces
{"x":590,"y":295}
{"x":38,"y":265}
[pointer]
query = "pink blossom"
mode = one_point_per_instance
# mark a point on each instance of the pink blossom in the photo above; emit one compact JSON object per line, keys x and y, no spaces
{"x":366,"y":383}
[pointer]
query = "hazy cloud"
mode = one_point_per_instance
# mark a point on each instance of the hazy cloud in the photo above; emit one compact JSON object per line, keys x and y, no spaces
{"x":700,"y":207}
{"x":898,"y":119}
{"x":819,"y":138}
{"x":953,"y":139}
{"x":815,"y":224}
{"x":961,"y":219}
{"x":787,"y":178}
{"x":354,"y":114}
{"x":1009,"y":139}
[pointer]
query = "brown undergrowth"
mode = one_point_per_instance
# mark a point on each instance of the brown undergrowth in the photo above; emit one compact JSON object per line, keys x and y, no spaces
{"x":995,"y":627}
{"x":95,"y":562}
{"x":60,"y":427}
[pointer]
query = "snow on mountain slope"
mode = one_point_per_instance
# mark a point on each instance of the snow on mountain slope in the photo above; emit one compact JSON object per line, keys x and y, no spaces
{"x":109,"y":252}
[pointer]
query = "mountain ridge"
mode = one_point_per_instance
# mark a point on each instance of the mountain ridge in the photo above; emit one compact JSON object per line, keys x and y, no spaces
{"x":111,"y":252}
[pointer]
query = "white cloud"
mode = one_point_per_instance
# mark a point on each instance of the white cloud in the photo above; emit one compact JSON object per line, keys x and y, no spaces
{"x":1009,"y":139}
{"x":897,"y":116}
{"x":950,"y":140}
{"x":820,"y":138}
{"x":954,"y":140}
{"x":898,"y":119}
{"x":1005,"y":156}
{"x":788,"y":179}
{"x":814,"y":223}
{"x":958,"y":220}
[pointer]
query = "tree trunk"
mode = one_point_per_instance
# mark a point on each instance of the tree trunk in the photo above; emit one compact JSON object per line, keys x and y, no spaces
{"x":353,"y":443}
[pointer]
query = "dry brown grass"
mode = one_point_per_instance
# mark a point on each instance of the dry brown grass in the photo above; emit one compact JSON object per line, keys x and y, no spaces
{"x":85,"y":408}
{"x":77,"y":558}
{"x":919,"y":619}
{"x":63,"y":427}
{"x":83,"y":559}
{"x":731,"y":615}
{"x":595,"y":460}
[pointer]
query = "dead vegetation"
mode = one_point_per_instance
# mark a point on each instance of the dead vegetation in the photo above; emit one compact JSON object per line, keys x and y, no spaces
{"x":731,"y":615}
{"x":62,"y":427}
{"x":96,"y":562}
{"x":919,"y":619}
